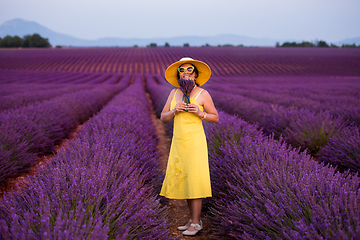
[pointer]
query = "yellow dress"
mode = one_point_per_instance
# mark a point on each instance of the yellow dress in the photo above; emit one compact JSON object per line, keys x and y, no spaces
{"x":187,"y":173}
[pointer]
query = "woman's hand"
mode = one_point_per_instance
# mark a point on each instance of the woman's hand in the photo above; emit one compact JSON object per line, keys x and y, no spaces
{"x":180,"y":107}
{"x":194,"y":109}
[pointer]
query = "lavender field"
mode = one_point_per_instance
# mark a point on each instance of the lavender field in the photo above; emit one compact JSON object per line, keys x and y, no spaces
{"x":284,"y":157}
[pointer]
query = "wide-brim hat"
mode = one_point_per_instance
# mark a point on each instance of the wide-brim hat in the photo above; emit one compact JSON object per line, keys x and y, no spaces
{"x":204,"y":71}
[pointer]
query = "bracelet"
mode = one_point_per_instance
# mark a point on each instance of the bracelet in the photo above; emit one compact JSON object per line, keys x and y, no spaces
{"x":204,"y":117}
{"x":174,"y":111}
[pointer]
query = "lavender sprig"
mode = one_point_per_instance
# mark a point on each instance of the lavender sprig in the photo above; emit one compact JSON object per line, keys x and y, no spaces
{"x":186,"y":86}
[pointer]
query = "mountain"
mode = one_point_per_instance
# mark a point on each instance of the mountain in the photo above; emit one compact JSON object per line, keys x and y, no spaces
{"x":21,"y":27}
{"x":349,"y":41}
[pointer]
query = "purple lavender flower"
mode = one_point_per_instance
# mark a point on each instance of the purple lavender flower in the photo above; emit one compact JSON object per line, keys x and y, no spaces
{"x":186,"y":86}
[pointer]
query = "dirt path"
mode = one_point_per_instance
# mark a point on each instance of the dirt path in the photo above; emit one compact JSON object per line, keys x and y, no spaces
{"x":179,"y":213}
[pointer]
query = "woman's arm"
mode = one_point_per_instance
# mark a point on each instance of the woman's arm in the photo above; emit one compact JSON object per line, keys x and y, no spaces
{"x":210,"y":114}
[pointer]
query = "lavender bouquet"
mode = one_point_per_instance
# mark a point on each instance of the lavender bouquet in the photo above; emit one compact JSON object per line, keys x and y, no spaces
{"x":186,"y":86}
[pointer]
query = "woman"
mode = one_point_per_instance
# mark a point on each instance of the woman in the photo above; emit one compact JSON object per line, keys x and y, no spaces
{"x":187,"y":174}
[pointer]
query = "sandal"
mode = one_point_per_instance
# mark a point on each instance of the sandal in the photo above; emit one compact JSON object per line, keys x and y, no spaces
{"x":197,"y":227}
{"x":186,"y":226}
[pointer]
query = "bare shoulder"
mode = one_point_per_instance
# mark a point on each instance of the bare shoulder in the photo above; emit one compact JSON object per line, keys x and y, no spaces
{"x":203,"y":97}
{"x":168,"y":101}
{"x":205,"y":94}
{"x":172,"y":93}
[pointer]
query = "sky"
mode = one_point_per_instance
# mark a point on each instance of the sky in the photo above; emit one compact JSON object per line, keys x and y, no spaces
{"x":305,"y":20}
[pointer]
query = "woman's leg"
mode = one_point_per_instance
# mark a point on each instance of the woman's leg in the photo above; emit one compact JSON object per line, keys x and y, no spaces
{"x":195,"y":210}
{"x":189,"y":206}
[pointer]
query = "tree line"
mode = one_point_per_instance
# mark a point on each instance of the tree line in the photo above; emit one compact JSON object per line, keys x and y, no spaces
{"x":285,"y":44}
{"x":188,"y":45}
{"x":36,"y":41}
{"x":28,"y":41}
{"x":316,"y":44}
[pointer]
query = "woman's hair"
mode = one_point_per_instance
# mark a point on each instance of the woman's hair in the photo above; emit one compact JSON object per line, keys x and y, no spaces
{"x":196,"y":74}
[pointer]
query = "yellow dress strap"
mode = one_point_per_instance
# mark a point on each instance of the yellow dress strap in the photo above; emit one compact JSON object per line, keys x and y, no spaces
{"x":175,"y":93}
{"x":198,"y":93}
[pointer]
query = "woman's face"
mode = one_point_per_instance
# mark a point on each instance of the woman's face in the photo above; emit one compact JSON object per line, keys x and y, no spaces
{"x":186,"y":74}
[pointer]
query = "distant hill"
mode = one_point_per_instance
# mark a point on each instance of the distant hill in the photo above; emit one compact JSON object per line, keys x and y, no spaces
{"x":349,"y":41}
{"x":21,"y":27}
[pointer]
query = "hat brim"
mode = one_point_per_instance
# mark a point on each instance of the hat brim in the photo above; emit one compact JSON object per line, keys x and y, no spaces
{"x":204,"y":72}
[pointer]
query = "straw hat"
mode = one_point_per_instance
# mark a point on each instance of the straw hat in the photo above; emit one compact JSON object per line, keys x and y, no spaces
{"x":204,"y":71}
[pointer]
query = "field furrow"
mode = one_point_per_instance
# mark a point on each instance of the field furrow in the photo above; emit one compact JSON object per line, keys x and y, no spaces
{"x":284,"y":156}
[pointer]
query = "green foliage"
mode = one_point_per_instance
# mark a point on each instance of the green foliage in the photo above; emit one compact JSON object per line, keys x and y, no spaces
{"x":186,"y":45}
{"x":11,"y":42}
{"x":304,"y":44}
{"x":317,"y":44}
{"x":167,"y":44}
{"x":289,"y":44}
{"x":350,"y":46}
{"x":17,"y":41}
{"x":227,"y":45}
{"x":34,"y":40}
{"x":152,"y":45}
{"x":322,"y":44}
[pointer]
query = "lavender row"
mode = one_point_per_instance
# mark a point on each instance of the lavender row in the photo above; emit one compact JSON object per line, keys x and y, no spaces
{"x":338,"y":100}
{"x":34,"y":130}
{"x":51,"y":77}
{"x":102,"y":185}
{"x":338,"y":95}
{"x":32,"y":96}
{"x":159,"y":93}
{"x":39,"y":77}
{"x":23,"y":76}
{"x":9,"y":89}
{"x":343,"y":150}
{"x":223,"y":61}
{"x":295,"y":85}
{"x":264,"y":189}
{"x":283,"y":90}
{"x":299,"y":127}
